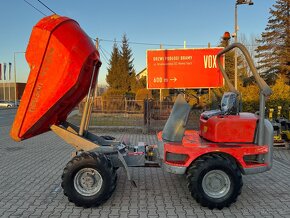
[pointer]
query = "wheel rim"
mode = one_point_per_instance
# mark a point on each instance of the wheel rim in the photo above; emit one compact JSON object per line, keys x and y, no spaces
{"x":88,"y":182}
{"x":216,"y":183}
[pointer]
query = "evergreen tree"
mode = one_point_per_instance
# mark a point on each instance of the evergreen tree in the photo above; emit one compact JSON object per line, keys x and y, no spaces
{"x":126,"y":54}
{"x":127,"y":64}
{"x":121,"y":74}
{"x":113,"y":69}
{"x":117,"y":77}
{"x":274,"y":49}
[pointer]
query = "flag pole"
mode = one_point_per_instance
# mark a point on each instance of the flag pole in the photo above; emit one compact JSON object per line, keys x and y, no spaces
{"x":15,"y":83}
{"x":4,"y":78}
{"x":9,"y":78}
{"x":15,"y":78}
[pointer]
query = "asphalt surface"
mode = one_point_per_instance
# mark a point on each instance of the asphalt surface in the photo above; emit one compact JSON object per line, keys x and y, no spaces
{"x":30,"y":177}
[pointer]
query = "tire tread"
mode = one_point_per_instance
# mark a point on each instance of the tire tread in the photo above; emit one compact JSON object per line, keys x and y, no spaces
{"x":90,"y":157}
{"x":206,"y":161}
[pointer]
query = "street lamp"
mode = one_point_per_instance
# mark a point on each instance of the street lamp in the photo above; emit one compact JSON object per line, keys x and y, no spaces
{"x":17,"y":52}
{"x":238,"y":2}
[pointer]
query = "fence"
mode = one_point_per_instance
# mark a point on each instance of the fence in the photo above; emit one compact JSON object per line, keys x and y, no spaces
{"x":118,"y":105}
{"x":148,"y":115}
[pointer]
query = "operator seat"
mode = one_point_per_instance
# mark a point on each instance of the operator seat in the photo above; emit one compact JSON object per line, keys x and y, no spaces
{"x":229,"y":103}
{"x":229,"y":106}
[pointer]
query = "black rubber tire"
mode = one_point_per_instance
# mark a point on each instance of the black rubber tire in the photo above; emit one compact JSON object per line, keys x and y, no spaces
{"x":201,"y":167}
{"x":102,"y":165}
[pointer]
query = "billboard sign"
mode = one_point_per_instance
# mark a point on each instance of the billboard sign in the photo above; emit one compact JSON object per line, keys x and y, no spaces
{"x":183,"y":68}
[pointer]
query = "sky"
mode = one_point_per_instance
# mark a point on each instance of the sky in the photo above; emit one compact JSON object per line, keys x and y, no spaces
{"x":167,"y":22}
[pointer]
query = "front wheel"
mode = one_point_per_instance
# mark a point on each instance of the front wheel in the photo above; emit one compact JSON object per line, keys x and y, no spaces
{"x":214,"y":181}
{"x":89,"y":179}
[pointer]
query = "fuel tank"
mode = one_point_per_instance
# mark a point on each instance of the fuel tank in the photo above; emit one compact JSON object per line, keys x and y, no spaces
{"x":229,"y":128}
{"x":63,"y":61}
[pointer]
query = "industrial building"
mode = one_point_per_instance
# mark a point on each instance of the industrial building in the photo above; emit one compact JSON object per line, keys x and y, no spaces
{"x":8,"y":90}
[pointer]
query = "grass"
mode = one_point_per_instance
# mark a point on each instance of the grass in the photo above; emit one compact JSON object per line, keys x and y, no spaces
{"x":111,"y":120}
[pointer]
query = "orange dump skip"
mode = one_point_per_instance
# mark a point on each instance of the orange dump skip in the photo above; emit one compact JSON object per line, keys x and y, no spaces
{"x":61,"y":58}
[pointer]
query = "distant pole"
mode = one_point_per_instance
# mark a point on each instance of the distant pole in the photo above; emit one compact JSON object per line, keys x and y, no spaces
{"x":235,"y":51}
{"x":160,"y":90}
{"x":15,"y":88}
{"x":9,"y":85}
{"x":209,"y":91}
{"x":9,"y":90}
{"x":97,"y":85}
{"x":4,"y":83}
{"x":2,"y":75}
{"x":184,"y":46}
{"x":238,"y":2}
{"x":15,"y":78}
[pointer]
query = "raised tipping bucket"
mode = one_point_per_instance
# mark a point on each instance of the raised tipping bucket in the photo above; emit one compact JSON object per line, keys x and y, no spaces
{"x":61,"y":58}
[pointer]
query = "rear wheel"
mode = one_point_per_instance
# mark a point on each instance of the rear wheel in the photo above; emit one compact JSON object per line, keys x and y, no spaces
{"x":214,"y":181}
{"x":89,"y":179}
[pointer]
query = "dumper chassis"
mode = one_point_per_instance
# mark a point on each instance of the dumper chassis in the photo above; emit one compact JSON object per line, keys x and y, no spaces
{"x":229,"y":143}
{"x":213,"y":169}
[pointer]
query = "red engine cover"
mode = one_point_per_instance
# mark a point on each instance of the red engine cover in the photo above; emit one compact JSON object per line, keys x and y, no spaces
{"x":229,"y":128}
{"x":61,"y":58}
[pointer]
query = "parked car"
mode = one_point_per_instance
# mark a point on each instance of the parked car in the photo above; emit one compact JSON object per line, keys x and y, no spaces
{"x":17,"y":103}
{"x":7,"y":103}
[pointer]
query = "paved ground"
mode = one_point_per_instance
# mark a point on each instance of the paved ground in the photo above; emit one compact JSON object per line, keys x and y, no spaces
{"x":30,"y":174}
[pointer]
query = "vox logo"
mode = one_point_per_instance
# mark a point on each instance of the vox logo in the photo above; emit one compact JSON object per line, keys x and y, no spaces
{"x":209,"y":61}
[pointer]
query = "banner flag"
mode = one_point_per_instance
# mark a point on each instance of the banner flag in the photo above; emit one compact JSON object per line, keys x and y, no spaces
{"x":9,"y":74}
{"x":0,"y":71}
{"x":4,"y":71}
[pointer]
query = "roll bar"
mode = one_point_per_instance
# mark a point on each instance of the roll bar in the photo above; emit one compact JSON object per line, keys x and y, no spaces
{"x":265,"y":89}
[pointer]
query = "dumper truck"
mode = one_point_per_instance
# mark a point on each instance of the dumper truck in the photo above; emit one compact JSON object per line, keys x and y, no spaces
{"x":64,"y":66}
